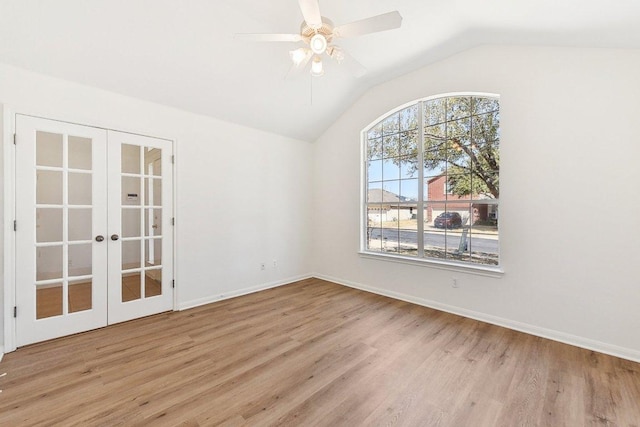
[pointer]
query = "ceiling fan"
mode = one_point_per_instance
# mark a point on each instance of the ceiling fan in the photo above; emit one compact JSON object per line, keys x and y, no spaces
{"x":318,"y":33}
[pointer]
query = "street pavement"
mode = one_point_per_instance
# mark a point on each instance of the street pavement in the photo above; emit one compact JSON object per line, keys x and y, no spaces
{"x":438,"y":239}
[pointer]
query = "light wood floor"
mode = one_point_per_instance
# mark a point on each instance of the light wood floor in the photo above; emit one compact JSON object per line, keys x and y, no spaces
{"x":314,"y":353}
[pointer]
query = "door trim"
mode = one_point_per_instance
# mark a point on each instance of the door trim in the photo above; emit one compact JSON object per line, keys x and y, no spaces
{"x":9,"y":250}
{"x":9,"y":204}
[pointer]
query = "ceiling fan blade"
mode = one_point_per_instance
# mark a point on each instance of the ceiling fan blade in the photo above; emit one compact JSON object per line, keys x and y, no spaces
{"x":342,"y":57}
{"x":384,"y":22}
{"x":269,"y":37}
{"x":311,"y":12}
{"x":357,"y":69}
{"x":295,"y":70}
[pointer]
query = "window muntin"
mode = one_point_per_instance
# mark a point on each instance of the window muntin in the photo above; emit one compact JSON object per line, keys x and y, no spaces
{"x":432,"y":181}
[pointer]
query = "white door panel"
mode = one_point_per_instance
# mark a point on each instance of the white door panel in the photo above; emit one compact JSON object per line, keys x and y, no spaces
{"x":140,"y":194}
{"x":61,"y":206}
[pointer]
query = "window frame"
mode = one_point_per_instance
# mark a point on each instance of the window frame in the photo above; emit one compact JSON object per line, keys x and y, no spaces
{"x":421,"y":204}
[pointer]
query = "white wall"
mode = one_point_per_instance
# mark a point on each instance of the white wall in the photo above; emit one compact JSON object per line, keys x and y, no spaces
{"x":233,"y":185}
{"x":569,"y":183}
{"x":569,"y":144}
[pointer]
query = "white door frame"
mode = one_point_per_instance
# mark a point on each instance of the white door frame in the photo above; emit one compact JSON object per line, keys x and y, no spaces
{"x":9,"y":250}
{"x":9,"y":209}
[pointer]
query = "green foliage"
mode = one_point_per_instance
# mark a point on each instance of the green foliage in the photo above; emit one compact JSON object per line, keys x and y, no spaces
{"x":461,"y":140}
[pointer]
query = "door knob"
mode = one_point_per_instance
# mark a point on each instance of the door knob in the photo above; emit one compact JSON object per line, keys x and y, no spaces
{"x":114,"y":237}
{"x":154,"y":226}
{"x":99,"y":238}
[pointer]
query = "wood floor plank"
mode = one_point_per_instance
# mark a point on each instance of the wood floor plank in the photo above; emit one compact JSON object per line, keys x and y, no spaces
{"x":314,"y":353}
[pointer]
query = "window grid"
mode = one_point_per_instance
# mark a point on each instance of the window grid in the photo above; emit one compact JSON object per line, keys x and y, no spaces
{"x":459,"y":137}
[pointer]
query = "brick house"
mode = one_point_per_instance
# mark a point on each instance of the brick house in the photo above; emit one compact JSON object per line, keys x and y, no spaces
{"x":438,"y":190}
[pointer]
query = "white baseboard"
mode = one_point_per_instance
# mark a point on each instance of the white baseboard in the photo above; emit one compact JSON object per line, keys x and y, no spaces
{"x":574,"y":340}
{"x":1,"y":352}
{"x":214,"y":298}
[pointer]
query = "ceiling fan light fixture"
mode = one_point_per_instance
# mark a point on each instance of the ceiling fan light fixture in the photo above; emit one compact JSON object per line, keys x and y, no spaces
{"x":316,"y":67}
{"x":298,"y":55}
{"x":336,"y":53}
{"x":319,"y":33}
{"x":318,"y":44}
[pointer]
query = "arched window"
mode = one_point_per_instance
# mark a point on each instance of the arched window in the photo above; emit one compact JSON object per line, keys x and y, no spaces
{"x":431,"y":181}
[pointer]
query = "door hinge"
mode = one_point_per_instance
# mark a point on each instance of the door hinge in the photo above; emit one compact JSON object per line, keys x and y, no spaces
{"x":15,"y":225}
{"x":14,"y":139}
{"x":173,"y":159}
{"x":173,"y":221}
{"x":173,"y":283}
{"x":15,"y":311}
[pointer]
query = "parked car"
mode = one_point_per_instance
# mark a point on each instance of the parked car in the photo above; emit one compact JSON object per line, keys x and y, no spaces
{"x":448,"y":220}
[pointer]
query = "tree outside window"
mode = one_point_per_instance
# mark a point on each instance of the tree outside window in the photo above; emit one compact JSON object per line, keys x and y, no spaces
{"x":432,"y":180}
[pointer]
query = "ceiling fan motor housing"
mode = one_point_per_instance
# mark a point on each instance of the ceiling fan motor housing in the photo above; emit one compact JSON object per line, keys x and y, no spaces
{"x":326,"y":30}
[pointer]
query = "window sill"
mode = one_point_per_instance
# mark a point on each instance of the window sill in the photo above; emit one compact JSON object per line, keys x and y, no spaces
{"x":480,"y":270}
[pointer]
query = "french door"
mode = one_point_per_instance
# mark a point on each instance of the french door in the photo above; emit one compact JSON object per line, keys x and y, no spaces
{"x":91,"y":208}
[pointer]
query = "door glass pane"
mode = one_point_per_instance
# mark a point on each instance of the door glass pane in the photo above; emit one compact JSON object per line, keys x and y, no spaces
{"x":48,"y":149}
{"x":48,"y":300}
{"x":130,"y":191}
{"x":152,"y":222}
{"x":153,"y":192}
{"x":79,"y":153}
{"x":153,"y":252}
{"x":80,"y":226}
{"x":49,"y":187}
{"x":153,"y":283}
{"x":131,"y":254}
{"x":49,"y":262}
{"x":130,"y":158}
{"x":131,"y":222}
{"x":80,"y":295}
{"x":49,"y":225}
{"x":80,"y":257}
{"x":80,"y":188}
{"x":152,"y":161}
{"x":131,"y":286}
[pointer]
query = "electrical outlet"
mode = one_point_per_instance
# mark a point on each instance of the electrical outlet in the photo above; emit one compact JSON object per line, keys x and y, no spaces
{"x":262,"y":266}
{"x":454,"y":282}
{"x":275,"y":263}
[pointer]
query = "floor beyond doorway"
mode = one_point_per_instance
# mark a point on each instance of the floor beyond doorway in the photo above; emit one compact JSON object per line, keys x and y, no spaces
{"x":49,"y":298}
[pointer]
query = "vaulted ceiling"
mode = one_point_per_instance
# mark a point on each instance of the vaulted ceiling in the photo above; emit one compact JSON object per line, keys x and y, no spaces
{"x":183,"y":53}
